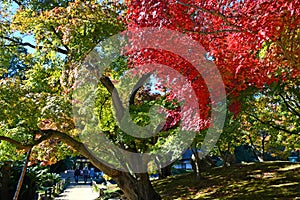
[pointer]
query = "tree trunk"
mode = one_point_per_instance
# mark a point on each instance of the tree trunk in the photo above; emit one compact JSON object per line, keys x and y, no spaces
{"x":165,"y":171}
{"x":5,"y":171}
{"x":197,"y":163}
{"x":16,"y":196}
{"x":136,"y":188}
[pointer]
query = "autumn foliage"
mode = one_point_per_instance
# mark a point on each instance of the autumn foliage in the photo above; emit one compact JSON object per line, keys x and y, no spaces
{"x":253,"y":43}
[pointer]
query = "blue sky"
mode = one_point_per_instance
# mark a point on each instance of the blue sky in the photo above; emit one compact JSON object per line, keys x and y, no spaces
{"x":25,"y":37}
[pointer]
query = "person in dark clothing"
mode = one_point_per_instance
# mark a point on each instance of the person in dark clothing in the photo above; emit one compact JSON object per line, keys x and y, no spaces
{"x":86,"y":174}
{"x":76,"y":174}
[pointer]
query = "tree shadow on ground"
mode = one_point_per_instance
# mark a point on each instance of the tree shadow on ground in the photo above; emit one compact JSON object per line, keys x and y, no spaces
{"x":267,"y":180}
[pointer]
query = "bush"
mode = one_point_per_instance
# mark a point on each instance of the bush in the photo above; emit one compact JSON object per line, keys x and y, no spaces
{"x":36,"y":178}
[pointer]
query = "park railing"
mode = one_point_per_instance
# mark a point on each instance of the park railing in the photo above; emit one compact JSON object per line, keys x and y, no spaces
{"x":48,"y":193}
{"x":99,"y":188}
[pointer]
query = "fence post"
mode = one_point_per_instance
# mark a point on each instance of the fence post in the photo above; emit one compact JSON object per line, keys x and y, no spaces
{"x":46,"y":192}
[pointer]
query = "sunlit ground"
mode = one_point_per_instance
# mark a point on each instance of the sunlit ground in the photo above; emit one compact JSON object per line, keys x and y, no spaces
{"x":78,"y":192}
{"x":268,"y":180}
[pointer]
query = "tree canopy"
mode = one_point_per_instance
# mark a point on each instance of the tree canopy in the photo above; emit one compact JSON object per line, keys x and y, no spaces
{"x":253,"y":45}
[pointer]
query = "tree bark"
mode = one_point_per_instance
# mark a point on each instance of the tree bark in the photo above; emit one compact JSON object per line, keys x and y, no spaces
{"x":16,"y":196}
{"x":197,"y":163}
{"x":5,"y":171}
{"x":137,"y":188}
{"x":165,"y":171}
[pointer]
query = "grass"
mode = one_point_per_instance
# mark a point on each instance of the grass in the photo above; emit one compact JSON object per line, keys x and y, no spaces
{"x":267,"y":180}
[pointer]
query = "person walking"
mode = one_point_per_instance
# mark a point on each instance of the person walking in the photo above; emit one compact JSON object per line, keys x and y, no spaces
{"x":76,"y":174}
{"x":86,"y":174}
{"x":92,"y":173}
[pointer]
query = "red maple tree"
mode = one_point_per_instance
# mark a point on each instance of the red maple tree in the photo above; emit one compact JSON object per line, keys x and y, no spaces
{"x":253,"y":43}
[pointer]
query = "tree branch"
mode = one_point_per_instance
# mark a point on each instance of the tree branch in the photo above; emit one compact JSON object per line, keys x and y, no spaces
{"x":33,"y":46}
{"x":214,"y":32}
{"x":59,"y":37}
{"x":293,"y":101}
{"x":115,"y":97}
{"x":18,"y":2}
{"x":82,"y":149}
{"x":47,"y":134}
{"x":18,"y":42}
{"x":19,"y":145}
{"x":286,"y":54}
{"x":269,"y":123}
{"x":137,"y":86}
{"x":293,"y":110}
{"x":214,"y":13}
{"x":26,"y":147}
{"x":67,"y":139}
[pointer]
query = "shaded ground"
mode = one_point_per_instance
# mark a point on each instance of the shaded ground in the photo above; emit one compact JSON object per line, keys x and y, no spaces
{"x":268,"y":180}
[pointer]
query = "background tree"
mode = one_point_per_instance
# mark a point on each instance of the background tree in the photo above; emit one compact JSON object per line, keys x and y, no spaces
{"x":275,"y":110}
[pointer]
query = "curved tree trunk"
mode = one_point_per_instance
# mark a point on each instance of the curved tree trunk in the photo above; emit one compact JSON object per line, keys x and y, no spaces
{"x":137,"y":188}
